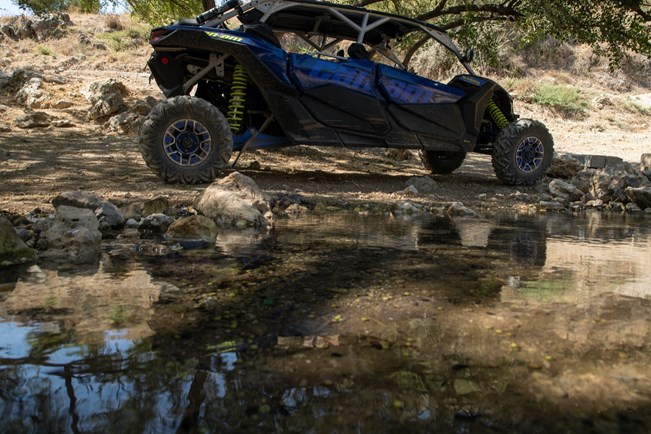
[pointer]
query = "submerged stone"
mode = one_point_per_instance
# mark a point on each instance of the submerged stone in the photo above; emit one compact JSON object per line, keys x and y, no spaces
{"x":13,"y":249}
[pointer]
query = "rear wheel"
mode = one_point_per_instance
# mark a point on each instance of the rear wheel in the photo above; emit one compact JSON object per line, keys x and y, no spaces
{"x":186,"y":139}
{"x":522,"y":152}
{"x":442,"y":162}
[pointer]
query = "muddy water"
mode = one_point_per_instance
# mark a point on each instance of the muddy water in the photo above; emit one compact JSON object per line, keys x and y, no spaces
{"x":342,"y":324}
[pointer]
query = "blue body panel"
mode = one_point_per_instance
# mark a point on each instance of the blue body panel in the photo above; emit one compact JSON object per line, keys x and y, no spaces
{"x":402,"y":87}
{"x":310,"y":72}
{"x":260,"y":141}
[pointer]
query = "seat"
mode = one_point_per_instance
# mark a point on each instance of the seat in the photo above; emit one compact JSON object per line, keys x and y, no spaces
{"x":358,"y":51}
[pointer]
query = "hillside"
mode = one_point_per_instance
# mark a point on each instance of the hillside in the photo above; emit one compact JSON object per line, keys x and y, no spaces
{"x":588,"y":109}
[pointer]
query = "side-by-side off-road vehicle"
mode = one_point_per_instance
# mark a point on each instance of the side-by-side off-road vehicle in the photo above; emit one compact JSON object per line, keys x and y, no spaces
{"x":231,"y":86}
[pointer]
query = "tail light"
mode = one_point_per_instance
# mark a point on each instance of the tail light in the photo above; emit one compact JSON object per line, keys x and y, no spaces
{"x":157,"y":35}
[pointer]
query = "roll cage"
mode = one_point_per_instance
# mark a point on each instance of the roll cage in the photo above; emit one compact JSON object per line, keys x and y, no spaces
{"x":323,"y":25}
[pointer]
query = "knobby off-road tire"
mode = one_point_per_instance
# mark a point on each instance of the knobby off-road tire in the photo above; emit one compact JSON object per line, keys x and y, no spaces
{"x":441,"y":162}
{"x":522,"y":152}
{"x":186,"y":140}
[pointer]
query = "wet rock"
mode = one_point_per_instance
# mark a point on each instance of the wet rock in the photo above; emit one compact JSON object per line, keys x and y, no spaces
{"x":106,"y":97}
{"x":110,"y":215}
{"x":565,"y":191}
{"x":295,"y":210}
{"x":609,"y":183}
{"x":33,"y":120}
{"x":564,"y":167}
{"x":195,"y":227}
{"x":282,"y":201}
{"x":235,"y":201}
{"x":74,"y":236}
{"x":424,"y":184}
{"x":459,"y":209}
{"x":633,"y":207}
{"x":405,"y":207}
{"x":13,"y":249}
{"x":31,"y":94}
{"x":641,"y":196}
{"x":647,"y":210}
{"x":157,"y":205}
{"x":410,"y":190}
{"x":595,"y":203}
{"x":155,"y":224}
{"x":132,"y":223}
{"x":551,"y":205}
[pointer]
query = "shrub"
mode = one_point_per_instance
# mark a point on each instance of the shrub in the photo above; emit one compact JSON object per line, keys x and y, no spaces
{"x":563,"y":98}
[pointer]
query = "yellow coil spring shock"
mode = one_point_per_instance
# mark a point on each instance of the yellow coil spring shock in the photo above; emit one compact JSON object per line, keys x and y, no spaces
{"x":235,"y":112}
{"x":497,"y":115}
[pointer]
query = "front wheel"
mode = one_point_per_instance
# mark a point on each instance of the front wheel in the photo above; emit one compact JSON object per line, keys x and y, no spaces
{"x":522,"y":152}
{"x":186,"y":139}
{"x":442,"y":162}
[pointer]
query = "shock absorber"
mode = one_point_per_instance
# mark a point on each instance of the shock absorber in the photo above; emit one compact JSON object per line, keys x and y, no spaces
{"x":237,"y":101}
{"x":497,"y":115}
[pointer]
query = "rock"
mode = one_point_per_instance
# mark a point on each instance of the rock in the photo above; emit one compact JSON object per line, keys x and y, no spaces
{"x":564,"y":167}
{"x":410,"y":190}
{"x":17,"y":79}
{"x":641,"y":196}
{"x":235,"y":201}
{"x":645,"y":162}
{"x":155,"y":224}
{"x":62,"y":123}
{"x":564,"y":190}
{"x":424,"y":184}
{"x":31,"y":94}
{"x":78,"y":199}
{"x":106,"y":97}
{"x":459,"y":209}
{"x":295,"y":210}
{"x":144,"y":106}
{"x":551,"y":205}
{"x":13,"y":249}
{"x":195,"y":227}
{"x":405,"y":207}
{"x":465,"y":387}
{"x":633,"y":207}
{"x":134,"y":211}
{"x":157,"y":205}
{"x":595,"y":203}
{"x":62,"y":104}
{"x":609,"y":183}
{"x":597,"y":161}
{"x":74,"y":236}
{"x":647,"y":210}
{"x":399,"y":154}
{"x":124,"y":123}
{"x":283,"y":200}
{"x":33,"y":119}
{"x":110,"y":215}
{"x":132,"y":223}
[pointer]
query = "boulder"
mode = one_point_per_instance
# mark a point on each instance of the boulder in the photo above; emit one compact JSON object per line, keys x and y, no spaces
{"x":195,"y":227}
{"x":33,"y":119}
{"x":74,"y":236}
{"x":124,"y":123}
{"x":109,"y":215}
{"x":564,"y":190}
{"x":155,"y":224}
{"x":13,"y":249}
{"x":641,"y":196}
{"x":31,"y":94}
{"x":459,"y":209}
{"x":645,"y":162}
{"x":78,"y":199}
{"x":106,"y":97}
{"x":235,"y":201}
{"x":406,"y":208}
{"x":157,"y":205}
{"x":564,"y":167}
{"x":424,"y":184}
{"x":609,"y":183}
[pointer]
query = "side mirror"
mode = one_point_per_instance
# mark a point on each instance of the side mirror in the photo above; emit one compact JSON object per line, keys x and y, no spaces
{"x":467,"y":58}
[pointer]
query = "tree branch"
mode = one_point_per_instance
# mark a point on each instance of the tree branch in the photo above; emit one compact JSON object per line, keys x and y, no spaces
{"x":502,"y":10}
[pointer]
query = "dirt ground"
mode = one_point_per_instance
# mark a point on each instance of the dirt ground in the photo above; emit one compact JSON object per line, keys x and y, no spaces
{"x":37,"y":164}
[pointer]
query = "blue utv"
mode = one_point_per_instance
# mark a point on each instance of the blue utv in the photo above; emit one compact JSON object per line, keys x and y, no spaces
{"x":231,"y":85}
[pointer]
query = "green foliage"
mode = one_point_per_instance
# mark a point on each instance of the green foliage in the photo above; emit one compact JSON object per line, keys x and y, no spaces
{"x":126,"y":39}
{"x":567,"y":99}
{"x":44,"y":50}
{"x":157,"y":12}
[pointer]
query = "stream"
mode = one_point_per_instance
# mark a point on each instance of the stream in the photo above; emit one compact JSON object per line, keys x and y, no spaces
{"x":340,"y":323}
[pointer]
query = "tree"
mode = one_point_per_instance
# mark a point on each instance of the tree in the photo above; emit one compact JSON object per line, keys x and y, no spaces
{"x":40,"y":7}
{"x":612,"y":27}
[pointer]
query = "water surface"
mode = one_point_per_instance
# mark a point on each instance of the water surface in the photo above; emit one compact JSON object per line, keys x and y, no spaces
{"x":342,"y":323}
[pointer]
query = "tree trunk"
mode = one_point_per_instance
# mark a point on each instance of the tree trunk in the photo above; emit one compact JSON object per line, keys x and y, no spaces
{"x":208,"y":4}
